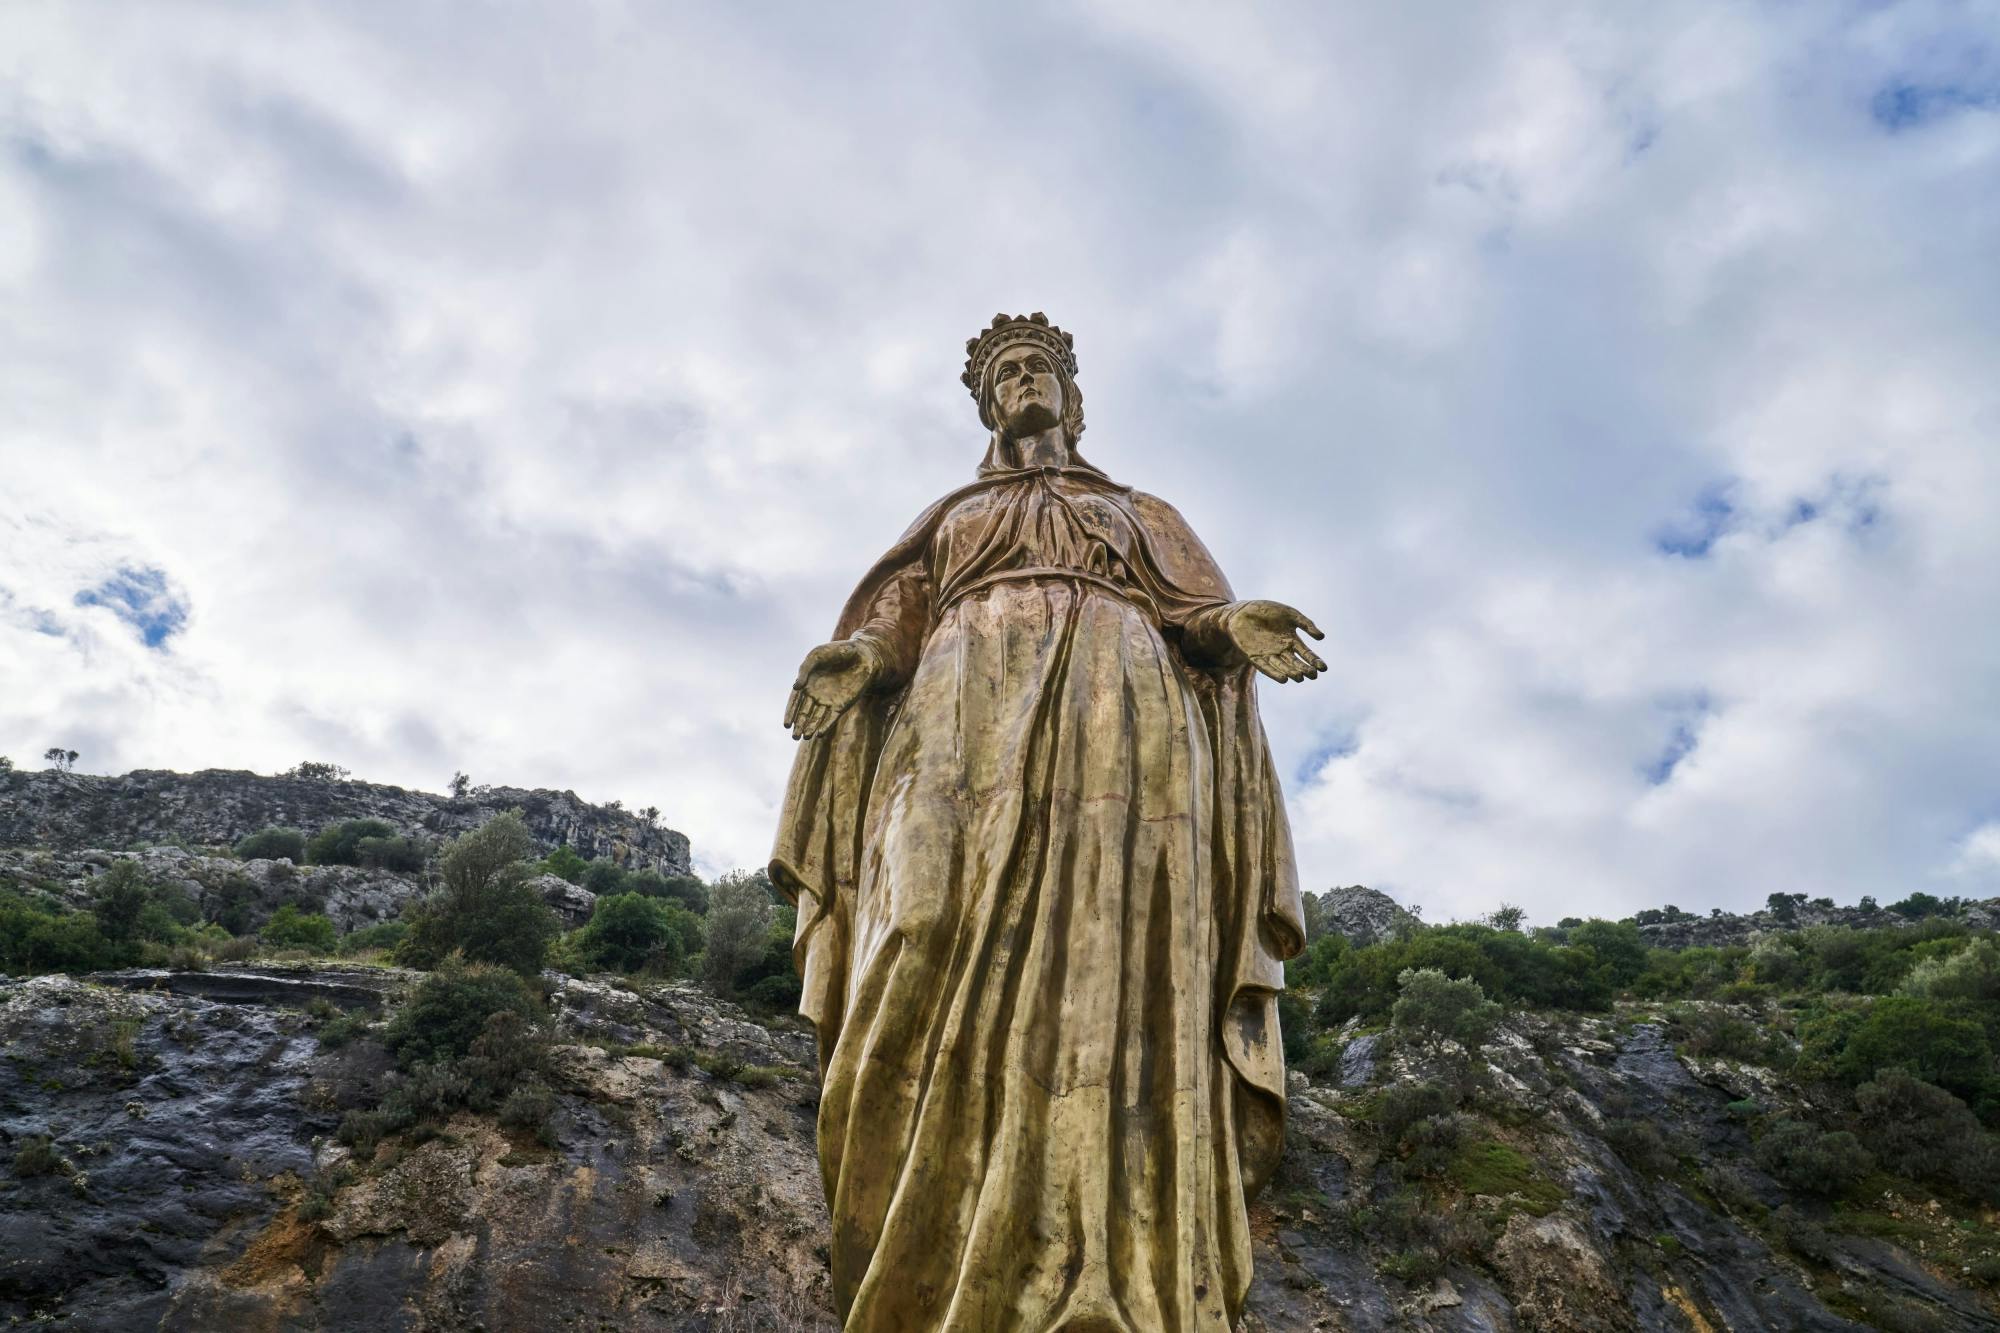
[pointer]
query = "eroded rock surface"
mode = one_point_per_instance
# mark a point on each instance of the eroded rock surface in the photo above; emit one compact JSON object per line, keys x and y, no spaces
{"x":189,"y":1182}
{"x":218,"y":807}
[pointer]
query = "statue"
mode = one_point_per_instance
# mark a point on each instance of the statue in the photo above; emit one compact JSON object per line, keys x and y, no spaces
{"x":1045,"y":889}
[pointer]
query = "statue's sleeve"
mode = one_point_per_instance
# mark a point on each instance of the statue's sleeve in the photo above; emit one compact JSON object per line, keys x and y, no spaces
{"x":898,"y":619}
{"x":816,"y":859}
{"x":1259,"y":922}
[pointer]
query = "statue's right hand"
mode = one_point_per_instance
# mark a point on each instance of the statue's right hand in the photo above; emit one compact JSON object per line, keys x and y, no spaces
{"x":832,"y":677}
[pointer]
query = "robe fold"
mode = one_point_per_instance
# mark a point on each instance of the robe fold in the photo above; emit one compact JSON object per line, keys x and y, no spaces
{"x":1045,"y":888}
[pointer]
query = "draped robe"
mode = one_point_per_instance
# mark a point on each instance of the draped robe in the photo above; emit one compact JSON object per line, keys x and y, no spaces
{"x":1045,"y":886}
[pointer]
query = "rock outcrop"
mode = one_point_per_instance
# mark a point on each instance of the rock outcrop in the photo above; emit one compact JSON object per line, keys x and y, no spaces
{"x":186,"y":1178}
{"x":218,"y":807}
{"x":1364,"y":915}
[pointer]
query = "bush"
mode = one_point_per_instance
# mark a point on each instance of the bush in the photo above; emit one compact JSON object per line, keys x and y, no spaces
{"x":528,"y":1108}
{"x":774,"y":994}
{"x":1970,"y":974}
{"x":628,"y":932}
{"x":340,"y":844}
{"x":487,"y":908}
{"x":37,"y":1156}
{"x":384,"y":935}
{"x":448,"y":1012}
{"x":1803,"y":1157}
{"x":603,"y":878}
{"x":1434,"y":1008}
{"x":690,"y":893}
{"x":739,"y":916}
{"x":1710,"y":1030}
{"x":1921,"y":1037}
{"x":274,"y":844}
{"x":564,"y":863}
{"x":117,"y":898}
{"x":1921,"y":1132}
{"x":403,"y":854}
{"x":289,"y":928}
{"x":1404,"y":1104}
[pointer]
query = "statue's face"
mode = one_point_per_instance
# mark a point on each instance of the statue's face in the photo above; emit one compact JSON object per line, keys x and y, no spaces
{"x":1027,"y":391}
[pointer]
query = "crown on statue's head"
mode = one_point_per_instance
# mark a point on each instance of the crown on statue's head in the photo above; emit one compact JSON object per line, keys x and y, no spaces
{"x":1006,"y":331}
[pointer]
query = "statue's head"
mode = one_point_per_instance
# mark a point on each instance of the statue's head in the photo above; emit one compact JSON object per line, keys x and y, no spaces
{"x":1022,"y":373}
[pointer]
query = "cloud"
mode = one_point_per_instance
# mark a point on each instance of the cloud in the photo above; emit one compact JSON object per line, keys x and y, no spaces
{"x":521,"y":392}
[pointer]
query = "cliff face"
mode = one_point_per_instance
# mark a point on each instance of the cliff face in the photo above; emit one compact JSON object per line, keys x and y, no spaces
{"x":189,"y":1182}
{"x":218,"y":807}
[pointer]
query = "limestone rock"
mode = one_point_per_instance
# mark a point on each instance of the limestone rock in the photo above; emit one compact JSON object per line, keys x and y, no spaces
{"x":1363,"y":915}
{"x":219,"y":807}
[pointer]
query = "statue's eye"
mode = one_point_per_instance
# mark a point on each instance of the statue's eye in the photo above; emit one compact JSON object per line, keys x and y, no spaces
{"x":1008,"y":370}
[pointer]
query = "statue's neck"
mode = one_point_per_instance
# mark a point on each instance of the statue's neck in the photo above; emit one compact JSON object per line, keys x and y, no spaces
{"x":1048,"y":448}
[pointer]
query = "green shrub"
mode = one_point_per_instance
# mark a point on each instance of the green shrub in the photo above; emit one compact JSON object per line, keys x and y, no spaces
{"x":340,"y":844}
{"x":739,"y":919}
{"x":487,"y":908}
{"x":1970,"y":974}
{"x":1922,"y":1132}
{"x":1434,"y":1008}
{"x":528,"y":1108}
{"x":403,"y":854}
{"x":448,"y":1011}
{"x":289,"y":928}
{"x":685,"y":890}
{"x":774,"y":994}
{"x":116,"y":899}
{"x":1803,"y":1157}
{"x":1923,"y":1038}
{"x":628,"y":932}
{"x":1710,"y":1030}
{"x":37,"y":1156}
{"x":274,"y":844}
{"x":604,"y":878}
{"x":384,"y":935}
{"x":564,"y":863}
{"x":1404,"y":1104}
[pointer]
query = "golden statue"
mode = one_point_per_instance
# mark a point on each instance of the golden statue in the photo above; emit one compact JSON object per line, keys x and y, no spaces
{"x":1045,"y":888}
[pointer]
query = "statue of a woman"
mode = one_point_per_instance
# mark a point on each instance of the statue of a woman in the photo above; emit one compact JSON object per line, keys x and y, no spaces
{"x":1045,"y":887}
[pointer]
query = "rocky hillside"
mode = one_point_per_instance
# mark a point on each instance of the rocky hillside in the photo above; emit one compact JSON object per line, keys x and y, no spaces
{"x":218,"y":807}
{"x":176,"y":1167}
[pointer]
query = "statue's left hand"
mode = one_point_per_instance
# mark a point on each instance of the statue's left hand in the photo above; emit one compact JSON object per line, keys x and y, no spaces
{"x":1267,"y":634}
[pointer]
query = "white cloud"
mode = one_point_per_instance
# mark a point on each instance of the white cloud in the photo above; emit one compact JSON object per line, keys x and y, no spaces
{"x":521,"y":390}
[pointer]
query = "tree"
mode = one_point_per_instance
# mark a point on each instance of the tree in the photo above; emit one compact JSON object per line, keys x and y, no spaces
{"x":651,"y":814}
{"x":60,"y":759}
{"x":289,"y":928}
{"x":119,"y":895}
{"x":6,"y":764}
{"x":1617,"y":945}
{"x":316,"y":770}
{"x":564,"y":863}
{"x":1436,"y":1008}
{"x":273,"y":844}
{"x":739,"y":916}
{"x":628,"y":932}
{"x":1507,"y":917}
{"x":486,"y":907}
{"x":340,"y":844}
{"x":1923,"y":1038}
{"x":460,"y":785}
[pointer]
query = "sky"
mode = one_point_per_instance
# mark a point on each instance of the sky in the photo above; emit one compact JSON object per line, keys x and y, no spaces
{"x":519,"y":389}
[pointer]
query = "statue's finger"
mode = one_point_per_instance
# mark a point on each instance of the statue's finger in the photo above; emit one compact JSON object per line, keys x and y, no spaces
{"x":792,"y":705}
{"x":1305,"y":623}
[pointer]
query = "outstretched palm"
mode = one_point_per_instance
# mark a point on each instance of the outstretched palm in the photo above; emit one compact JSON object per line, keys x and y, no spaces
{"x":832,"y":677}
{"x":1267,"y":634}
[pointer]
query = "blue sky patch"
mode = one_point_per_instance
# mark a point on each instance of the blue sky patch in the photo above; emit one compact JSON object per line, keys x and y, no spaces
{"x":1901,"y":105}
{"x":1337,"y":746}
{"x":1682,"y":736}
{"x":139,"y":596}
{"x":1692,"y":537}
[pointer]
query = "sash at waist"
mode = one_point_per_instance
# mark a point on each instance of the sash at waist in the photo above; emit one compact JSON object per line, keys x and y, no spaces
{"x":1135,"y":596}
